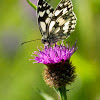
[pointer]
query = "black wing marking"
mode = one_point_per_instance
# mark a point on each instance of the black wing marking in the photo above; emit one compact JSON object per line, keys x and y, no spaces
{"x":44,"y":13}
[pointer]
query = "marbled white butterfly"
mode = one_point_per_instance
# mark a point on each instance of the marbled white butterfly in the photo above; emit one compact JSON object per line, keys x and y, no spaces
{"x":55,"y":25}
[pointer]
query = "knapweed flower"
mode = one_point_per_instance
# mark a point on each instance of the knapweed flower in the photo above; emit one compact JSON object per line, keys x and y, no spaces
{"x":59,"y":71}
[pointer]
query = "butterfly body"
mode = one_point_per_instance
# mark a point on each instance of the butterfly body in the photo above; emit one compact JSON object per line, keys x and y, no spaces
{"x":55,"y":25}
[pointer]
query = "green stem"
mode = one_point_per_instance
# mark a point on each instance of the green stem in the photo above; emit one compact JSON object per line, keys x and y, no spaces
{"x":32,"y":5}
{"x":62,"y":91}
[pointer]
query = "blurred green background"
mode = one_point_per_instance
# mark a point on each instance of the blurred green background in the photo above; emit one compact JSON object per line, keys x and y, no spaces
{"x":20,"y":78}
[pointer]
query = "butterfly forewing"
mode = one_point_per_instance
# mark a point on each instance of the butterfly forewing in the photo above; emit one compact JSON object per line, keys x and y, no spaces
{"x":44,"y":13}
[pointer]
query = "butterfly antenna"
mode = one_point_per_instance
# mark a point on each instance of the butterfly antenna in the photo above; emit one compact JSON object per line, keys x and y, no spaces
{"x":29,"y":41}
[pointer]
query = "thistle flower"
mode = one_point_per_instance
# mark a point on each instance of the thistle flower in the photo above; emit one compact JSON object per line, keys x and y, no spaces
{"x":59,"y":71}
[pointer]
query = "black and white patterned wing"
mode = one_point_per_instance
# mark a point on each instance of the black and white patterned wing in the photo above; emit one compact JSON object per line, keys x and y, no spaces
{"x":63,"y":21}
{"x":44,"y":13}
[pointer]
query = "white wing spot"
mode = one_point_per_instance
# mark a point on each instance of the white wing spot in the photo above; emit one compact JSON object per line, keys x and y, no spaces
{"x":40,"y":6}
{"x":71,"y":31}
{"x":48,"y":11}
{"x":51,"y":25}
{"x":65,"y":28}
{"x":65,"y":10}
{"x":47,"y":20}
{"x":43,"y":26}
{"x":64,"y":37}
{"x":61,"y":21}
{"x":60,"y":5}
{"x":74,"y":21}
{"x":65,"y":3}
{"x":71,"y":14}
{"x":57,"y":12}
{"x":69,"y":6}
{"x":70,"y":3}
{"x":44,"y":5}
{"x":73,"y":17}
{"x":41,"y":13}
{"x":57,"y":30}
{"x":50,"y":14}
{"x":73,"y":26}
{"x":50,"y":8}
{"x":70,"y":9}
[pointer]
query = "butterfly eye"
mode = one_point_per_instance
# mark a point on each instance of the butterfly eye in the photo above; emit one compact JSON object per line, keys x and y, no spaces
{"x":43,"y":41}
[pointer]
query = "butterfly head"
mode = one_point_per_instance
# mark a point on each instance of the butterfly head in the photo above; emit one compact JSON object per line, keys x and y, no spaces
{"x":45,"y":41}
{"x":48,"y":41}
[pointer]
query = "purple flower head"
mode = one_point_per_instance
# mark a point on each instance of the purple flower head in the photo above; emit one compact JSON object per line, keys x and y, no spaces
{"x":55,"y":54}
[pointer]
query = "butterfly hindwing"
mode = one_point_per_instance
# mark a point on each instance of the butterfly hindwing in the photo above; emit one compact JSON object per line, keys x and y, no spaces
{"x":63,"y":7}
{"x":44,"y":13}
{"x":63,"y":20}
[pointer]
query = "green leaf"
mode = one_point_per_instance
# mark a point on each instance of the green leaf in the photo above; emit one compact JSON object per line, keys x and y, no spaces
{"x":32,"y":5}
{"x":44,"y":95}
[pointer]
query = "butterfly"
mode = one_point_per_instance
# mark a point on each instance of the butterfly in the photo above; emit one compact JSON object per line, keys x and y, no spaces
{"x":55,"y":25}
